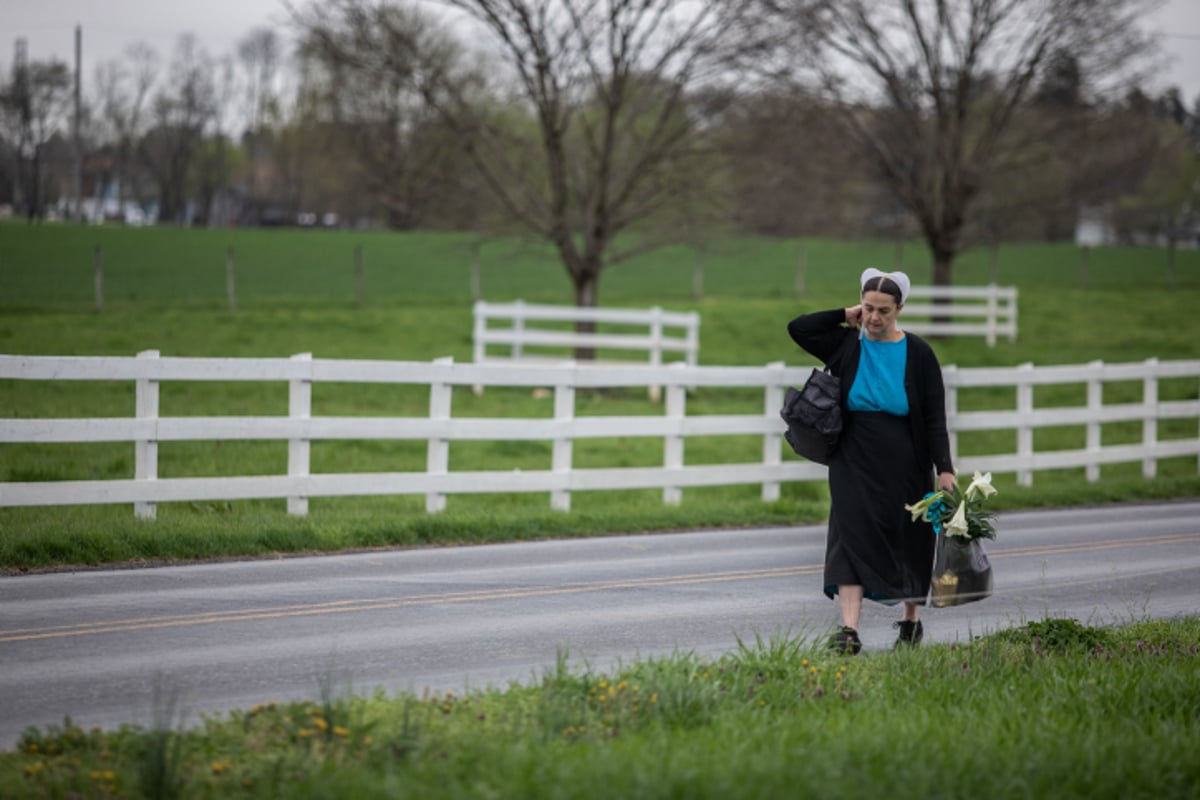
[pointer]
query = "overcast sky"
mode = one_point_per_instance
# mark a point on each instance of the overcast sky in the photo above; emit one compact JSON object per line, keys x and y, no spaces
{"x":111,"y":25}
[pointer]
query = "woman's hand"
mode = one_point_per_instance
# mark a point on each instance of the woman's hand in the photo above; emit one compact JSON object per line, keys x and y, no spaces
{"x":854,"y":316}
{"x":946,"y":481}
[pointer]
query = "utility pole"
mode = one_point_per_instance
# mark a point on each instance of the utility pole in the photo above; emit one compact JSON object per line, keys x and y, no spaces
{"x":76,"y":124}
{"x":20,"y":83}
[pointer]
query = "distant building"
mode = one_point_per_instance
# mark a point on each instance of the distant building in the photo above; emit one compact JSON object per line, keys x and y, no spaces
{"x":1094,"y":228}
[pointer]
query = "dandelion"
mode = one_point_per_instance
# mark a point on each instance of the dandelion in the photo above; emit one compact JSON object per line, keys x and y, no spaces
{"x":341,"y":732}
{"x":654,"y":698}
{"x":804,"y":663}
{"x":219,"y":767}
{"x":320,"y":724}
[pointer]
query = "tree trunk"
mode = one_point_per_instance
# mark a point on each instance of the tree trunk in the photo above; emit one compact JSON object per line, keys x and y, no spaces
{"x":587,"y":284}
{"x":943,"y":259}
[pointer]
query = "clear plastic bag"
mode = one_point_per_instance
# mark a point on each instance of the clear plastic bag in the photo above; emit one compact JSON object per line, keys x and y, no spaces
{"x":961,"y":572}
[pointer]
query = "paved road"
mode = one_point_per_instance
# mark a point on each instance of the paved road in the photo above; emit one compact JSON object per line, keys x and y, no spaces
{"x":109,"y":647}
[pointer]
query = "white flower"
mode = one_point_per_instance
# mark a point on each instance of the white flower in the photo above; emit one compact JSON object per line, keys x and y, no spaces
{"x":921,"y":507}
{"x":957,"y":526}
{"x":981,"y":487}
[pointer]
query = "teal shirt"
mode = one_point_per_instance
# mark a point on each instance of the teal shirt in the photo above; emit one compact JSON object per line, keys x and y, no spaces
{"x":879,"y":384}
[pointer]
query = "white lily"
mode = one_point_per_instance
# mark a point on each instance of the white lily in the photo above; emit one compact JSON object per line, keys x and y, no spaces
{"x":921,"y":507}
{"x":957,"y":526}
{"x":981,"y":487}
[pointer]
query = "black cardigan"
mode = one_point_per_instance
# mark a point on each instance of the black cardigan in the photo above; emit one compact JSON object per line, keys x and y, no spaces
{"x":824,"y":335}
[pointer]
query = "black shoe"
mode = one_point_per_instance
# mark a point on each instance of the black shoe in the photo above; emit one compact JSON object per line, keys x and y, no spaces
{"x":911,"y":633}
{"x":845,"y":641}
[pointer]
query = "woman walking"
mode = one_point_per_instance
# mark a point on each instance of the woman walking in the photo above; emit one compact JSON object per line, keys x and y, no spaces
{"x":893,"y":440}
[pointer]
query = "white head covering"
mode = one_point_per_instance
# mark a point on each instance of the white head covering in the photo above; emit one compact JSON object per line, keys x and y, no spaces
{"x":899,"y":278}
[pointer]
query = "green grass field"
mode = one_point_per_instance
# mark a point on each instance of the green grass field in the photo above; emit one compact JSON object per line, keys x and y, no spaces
{"x":164,"y":289}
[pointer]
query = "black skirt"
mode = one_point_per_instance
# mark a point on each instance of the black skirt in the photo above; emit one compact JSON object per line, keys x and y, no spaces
{"x":873,"y":541}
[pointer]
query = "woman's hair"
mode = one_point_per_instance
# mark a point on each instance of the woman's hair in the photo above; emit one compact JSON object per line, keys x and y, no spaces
{"x":883,"y":284}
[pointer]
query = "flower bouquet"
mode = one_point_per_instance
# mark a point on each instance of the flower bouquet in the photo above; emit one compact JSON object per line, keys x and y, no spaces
{"x":961,"y":571}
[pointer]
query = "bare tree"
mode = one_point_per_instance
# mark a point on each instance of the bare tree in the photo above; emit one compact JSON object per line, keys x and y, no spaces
{"x":260,"y":54}
{"x":181,"y":111}
{"x":598,"y":151}
{"x":122,"y":89}
{"x":938,"y":92}
{"x":376,"y":67}
{"x":34,"y":106}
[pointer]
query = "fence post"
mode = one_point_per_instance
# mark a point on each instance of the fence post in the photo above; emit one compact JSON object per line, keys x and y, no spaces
{"x":476,"y":278}
{"x":801,"y":266}
{"x":1012,"y":313}
{"x":518,"y":329}
{"x":1025,"y":431}
{"x":438,"y":458}
{"x":564,"y":412}
{"x":1095,"y":405}
{"x":358,"y":276}
{"x":145,"y":451}
{"x":230,"y":282}
{"x":992,"y":314}
{"x":656,"y":347}
{"x":1150,"y":420}
{"x":693,"y":339}
{"x":673,"y":445}
{"x":773,"y":442}
{"x":98,"y":278}
{"x":480,"y":349}
{"x":299,"y":448}
{"x":950,"y":379}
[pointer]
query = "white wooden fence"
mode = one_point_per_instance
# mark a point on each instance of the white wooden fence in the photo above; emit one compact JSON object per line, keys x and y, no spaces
{"x":1025,"y":418}
{"x":148,"y":427}
{"x":987,"y":311}
{"x":518,"y":336}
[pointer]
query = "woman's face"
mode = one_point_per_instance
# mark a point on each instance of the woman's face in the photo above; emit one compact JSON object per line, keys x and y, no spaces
{"x":879,"y":311}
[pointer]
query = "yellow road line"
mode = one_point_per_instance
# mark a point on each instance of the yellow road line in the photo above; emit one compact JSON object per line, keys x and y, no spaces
{"x":377,"y":604}
{"x":384,"y":603}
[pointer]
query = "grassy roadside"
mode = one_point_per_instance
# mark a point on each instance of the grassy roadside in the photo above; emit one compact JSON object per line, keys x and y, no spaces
{"x":40,"y":539}
{"x":1050,"y":709}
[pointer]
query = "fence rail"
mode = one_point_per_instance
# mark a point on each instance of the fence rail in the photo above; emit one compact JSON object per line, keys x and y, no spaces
{"x":518,"y":335}
{"x":987,"y":311}
{"x":673,"y":425}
